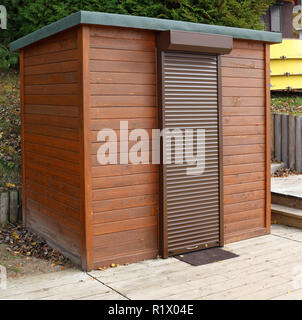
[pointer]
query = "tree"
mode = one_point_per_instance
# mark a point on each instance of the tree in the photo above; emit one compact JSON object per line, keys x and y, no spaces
{"x":25,"y":16}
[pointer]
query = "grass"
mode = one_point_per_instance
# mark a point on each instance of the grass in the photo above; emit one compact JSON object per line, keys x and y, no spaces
{"x":10,"y":142}
{"x":8,"y":260}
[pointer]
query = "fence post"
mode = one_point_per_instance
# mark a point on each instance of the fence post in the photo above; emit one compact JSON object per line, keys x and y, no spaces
{"x":284,"y":139}
{"x":13,"y":206}
{"x":298,"y":143}
{"x":20,"y":216}
{"x":292,"y":142}
{"x":272,"y":136}
{"x":4,"y":207}
{"x":278,"y":137}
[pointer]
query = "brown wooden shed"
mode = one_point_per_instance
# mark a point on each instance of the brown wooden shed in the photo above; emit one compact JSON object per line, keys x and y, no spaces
{"x":91,"y":70}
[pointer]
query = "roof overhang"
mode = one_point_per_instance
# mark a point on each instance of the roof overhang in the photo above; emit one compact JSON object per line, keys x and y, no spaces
{"x":127,"y":21}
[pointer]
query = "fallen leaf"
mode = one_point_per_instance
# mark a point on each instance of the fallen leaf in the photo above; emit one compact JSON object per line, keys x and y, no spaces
{"x":102,"y":268}
{"x":15,"y":235}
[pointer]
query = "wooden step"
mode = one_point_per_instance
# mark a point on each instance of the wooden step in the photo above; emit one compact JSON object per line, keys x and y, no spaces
{"x":286,"y":215}
{"x":286,"y":200}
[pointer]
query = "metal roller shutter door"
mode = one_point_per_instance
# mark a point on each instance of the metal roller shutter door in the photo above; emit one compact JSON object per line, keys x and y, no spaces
{"x":191,"y":202}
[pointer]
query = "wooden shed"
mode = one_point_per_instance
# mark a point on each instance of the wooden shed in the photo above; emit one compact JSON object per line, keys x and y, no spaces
{"x":90,"y":71}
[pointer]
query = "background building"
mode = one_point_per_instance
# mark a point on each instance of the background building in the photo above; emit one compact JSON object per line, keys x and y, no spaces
{"x":279,"y":17}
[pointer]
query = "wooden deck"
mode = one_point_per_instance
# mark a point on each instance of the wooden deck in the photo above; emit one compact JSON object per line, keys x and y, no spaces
{"x":269,"y":267}
{"x":286,"y":198}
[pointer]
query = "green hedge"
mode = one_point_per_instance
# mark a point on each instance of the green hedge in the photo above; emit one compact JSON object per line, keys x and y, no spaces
{"x":25,"y":16}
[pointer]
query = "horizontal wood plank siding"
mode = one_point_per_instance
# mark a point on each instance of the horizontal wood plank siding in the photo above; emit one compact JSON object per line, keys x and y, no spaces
{"x":243,"y":90}
{"x":125,"y":197}
{"x":51,"y":125}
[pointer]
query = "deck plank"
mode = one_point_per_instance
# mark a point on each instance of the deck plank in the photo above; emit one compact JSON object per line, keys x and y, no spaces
{"x":265,"y":269}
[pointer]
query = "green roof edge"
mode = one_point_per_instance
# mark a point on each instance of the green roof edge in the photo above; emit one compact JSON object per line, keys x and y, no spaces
{"x":120,"y":20}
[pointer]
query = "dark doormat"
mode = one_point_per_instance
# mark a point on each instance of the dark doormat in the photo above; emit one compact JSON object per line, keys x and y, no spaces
{"x":198,"y":258}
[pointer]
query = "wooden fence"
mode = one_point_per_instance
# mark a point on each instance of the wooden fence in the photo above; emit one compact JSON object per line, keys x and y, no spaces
{"x":286,"y":140}
{"x":10,"y":206}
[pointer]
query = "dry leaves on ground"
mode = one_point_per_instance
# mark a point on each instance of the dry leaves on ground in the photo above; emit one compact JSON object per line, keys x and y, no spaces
{"x":284,"y":172}
{"x":20,"y":242}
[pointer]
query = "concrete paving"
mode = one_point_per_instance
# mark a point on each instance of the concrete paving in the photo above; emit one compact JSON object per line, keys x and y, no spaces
{"x":268,"y":267}
{"x":291,"y":185}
